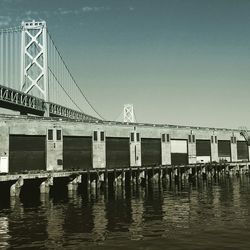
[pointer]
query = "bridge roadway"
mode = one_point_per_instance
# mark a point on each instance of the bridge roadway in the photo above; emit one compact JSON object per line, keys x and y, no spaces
{"x":27,"y":104}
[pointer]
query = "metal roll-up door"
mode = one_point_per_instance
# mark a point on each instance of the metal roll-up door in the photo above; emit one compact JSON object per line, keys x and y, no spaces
{"x":150,"y":151}
{"x":203,"y":151}
{"x":27,"y":152}
{"x":77,"y":152}
{"x":203,"y":148}
{"x":224,"y":149}
{"x":117,"y":152}
{"x":242,"y":150}
{"x":179,"y":152}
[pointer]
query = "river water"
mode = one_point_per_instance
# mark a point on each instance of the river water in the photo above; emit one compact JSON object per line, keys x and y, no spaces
{"x":211,"y":214}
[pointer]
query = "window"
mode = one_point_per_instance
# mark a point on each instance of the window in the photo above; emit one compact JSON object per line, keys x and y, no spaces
{"x":50,"y":134}
{"x":137,"y":136}
{"x":58,"y":135}
{"x":95,"y":135}
{"x":212,"y":139}
{"x":168,"y":138}
{"x":189,"y":138}
{"x":59,"y":162}
{"x":232,"y":139}
{"x":215,"y":138}
{"x":132,"y":136}
{"x":163,"y":137}
{"x":193,"y":138}
{"x":102,"y":136}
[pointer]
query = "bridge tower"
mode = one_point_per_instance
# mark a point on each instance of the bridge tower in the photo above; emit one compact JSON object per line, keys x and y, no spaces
{"x":128,"y":113}
{"x":34,"y":61}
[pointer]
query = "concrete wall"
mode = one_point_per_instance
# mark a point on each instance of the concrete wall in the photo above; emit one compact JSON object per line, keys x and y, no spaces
{"x":135,"y":149}
{"x":166,"y":149}
{"x":4,"y":147}
{"x":214,"y":148}
{"x":191,"y":148}
{"x":99,"y":150}
{"x":54,"y":148}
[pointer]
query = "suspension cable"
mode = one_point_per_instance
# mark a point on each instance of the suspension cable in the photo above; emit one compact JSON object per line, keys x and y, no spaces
{"x":73,"y":79}
{"x":64,"y":89}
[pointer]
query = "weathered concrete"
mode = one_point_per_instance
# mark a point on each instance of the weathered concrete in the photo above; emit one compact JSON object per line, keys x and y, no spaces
{"x":191,"y":149}
{"x":45,"y":185}
{"x":54,"y":149}
{"x":4,"y":147}
{"x":73,"y":183}
{"x":135,"y":150}
{"x":214,"y":148}
{"x":99,"y":151}
{"x":16,"y":125}
{"x":166,"y":150}
{"x":233,"y":152}
{"x":16,"y":187}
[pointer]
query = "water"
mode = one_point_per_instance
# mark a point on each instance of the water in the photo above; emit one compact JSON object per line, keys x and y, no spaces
{"x":213,"y":214}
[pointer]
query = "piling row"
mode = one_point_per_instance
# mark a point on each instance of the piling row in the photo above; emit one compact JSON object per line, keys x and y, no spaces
{"x":105,"y":179}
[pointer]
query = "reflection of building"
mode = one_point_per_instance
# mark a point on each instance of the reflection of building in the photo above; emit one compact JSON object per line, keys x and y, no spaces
{"x":135,"y":228}
{"x":100,"y":220}
{"x":55,"y":218}
{"x":4,"y":229}
{"x":176,"y":212}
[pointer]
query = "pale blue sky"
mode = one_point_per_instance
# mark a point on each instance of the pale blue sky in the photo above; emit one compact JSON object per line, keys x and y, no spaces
{"x":178,"y":61}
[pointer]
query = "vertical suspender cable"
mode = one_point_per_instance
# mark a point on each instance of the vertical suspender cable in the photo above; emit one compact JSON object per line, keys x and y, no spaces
{"x":1,"y":58}
{"x":7,"y":61}
{"x":11,"y":59}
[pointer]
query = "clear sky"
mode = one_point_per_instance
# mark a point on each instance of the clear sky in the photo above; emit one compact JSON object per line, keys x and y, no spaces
{"x":178,"y":61}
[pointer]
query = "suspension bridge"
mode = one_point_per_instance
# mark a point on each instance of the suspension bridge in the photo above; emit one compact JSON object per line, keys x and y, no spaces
{"x":34,"y":77}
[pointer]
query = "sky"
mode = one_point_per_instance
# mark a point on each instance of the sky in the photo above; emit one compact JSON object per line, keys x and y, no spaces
{"x":180,"y":62}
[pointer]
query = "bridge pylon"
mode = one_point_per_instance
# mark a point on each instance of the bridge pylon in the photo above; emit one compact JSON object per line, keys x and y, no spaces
{"x":34,"y":60}
{"x":128,"y":113}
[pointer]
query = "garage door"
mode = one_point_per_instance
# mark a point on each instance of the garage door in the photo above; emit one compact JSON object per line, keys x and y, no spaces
{"x":150,"y":151}
{"x":179,"y":152}
{"x":77,"y":152}
{"x":27,"y":152}
{"x":117,"y":152}
{"x":203,"y":151}
{"x":242,"y":150}
{"x":224,"y":150}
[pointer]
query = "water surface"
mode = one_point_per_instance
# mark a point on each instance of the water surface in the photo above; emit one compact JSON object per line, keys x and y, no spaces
{"x":212,"y":214}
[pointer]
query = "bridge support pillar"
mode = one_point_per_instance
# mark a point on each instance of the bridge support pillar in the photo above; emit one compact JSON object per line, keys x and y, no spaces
{"x":45,"y":185}
{"x":16,"y":187}
{"x":46,"y":112}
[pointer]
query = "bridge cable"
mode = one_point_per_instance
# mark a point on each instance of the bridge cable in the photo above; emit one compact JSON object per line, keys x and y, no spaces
{"x":65,"y":65}
{"x":64,"y":89}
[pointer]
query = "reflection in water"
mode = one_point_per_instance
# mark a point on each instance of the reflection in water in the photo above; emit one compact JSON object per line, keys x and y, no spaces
{"x":100,"y":220}
{"x":4,"y":232}
{"x":206,"y":214}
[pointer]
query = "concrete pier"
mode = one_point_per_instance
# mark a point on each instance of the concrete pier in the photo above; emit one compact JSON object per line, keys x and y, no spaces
{"x":74,"y":182}
{"x":15,"y":188}
{"x":92,"y":180}
{"x":102,"y":155}
{"x":45,"y":185}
